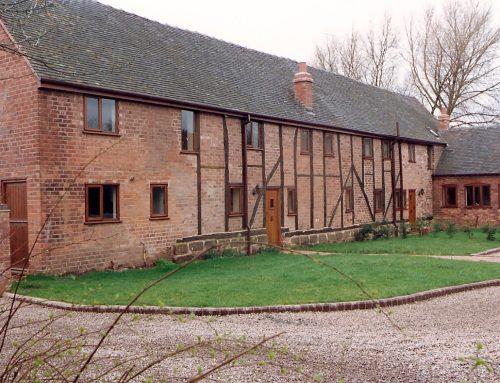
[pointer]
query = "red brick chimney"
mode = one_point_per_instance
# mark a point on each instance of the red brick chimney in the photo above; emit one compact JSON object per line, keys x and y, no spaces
{"x":443,"y":119}
{"x":303,"y":86}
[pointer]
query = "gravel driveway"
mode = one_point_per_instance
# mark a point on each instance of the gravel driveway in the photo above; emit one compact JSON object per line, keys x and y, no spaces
{"x":356,"y":346}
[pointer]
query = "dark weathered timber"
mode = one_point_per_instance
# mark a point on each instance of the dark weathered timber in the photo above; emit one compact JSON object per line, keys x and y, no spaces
{"x":401,"y":214}
{"x":393,"y":181}
{"x":262,"y":194}
{"x":226,"y":173}
{"x":244,"y":173}
{"x":324,"y":182}
{"x":365,"y":196}
{"x":282,"y":174}
{"x":263,"y":154}
{"x":353,"y":214}
{"x":390,"y":198}
{"x":383,"y":172}
{"x":295,"y":177}
{"x":340,"y":200}
{"x":198,"y":184}
{"x":311,"y":180}
{"x":341,"y":187}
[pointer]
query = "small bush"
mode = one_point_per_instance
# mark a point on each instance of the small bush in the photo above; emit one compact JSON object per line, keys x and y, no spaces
{"x":381,"y":231}
{"x":364,"y":233}
{"x":421,"y":225}
{"x":164,"y":264}
{"x":451,"y":229}
{"x":404,"y":229}
{"x":486,"y":229}
{"x":490,"y":235}
{"x":437,"y":227}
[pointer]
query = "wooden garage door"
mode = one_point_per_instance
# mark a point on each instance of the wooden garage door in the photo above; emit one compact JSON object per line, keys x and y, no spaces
{"x":14,"y":195}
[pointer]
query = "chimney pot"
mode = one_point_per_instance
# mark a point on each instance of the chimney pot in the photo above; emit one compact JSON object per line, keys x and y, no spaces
{"x":303,"y":86}
{"x":443,"y":119}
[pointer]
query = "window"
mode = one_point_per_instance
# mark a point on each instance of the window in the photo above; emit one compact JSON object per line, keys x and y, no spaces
{"x":411,"y":152}
{"x":328,"y":144}
{"x":386,"y":150}
{"x":429,"y":157}
{"x":379,"y":200}
{"x":400,"y":199}
{"x":102,"y":203}
{"x":254,"y":135}
{"x":236,"y":200}
{"x":449,"y":195}
{"x":159,"y":200}
{"x":291,"y":199}
{"x":477,"y":195}
{"x":305,"y":141}
{"x":189,"y":131}
{"x":349,"y":199}
{"x":101,"y":115}
{"x":367,"y":147}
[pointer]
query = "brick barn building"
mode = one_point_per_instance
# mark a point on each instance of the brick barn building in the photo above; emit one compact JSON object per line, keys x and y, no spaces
{"x":124,"y":140}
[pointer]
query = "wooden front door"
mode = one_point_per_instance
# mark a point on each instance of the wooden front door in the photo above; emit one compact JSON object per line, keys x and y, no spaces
{"x":273,"y":209}
{"x":14,"y":195}
{"x":412,"y":207}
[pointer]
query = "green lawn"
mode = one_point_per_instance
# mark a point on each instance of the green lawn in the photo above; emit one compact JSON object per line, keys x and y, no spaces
{"x":264,"y":279}
{"x":434,"y":243}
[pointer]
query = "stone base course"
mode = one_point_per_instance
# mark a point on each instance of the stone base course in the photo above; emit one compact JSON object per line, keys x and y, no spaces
{"x":220,"y":311}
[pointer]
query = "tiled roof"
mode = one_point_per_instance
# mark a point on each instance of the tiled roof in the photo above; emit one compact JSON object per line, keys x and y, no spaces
{"x":470,"y":151}
{"x":87,"y":43}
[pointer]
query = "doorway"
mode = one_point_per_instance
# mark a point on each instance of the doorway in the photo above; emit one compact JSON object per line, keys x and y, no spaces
{"x":273,"y":213}
{"x":412,"y":208}
{"x":15,"y":196}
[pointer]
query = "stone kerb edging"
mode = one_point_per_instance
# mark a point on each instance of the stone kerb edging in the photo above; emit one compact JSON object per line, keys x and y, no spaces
{"x":315,"y":307}
{"x":487,"y":252}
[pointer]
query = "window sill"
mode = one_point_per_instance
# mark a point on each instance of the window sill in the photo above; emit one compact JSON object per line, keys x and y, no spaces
{"x":368,"y":158}
{"x":159,"y":218}
{"x":102,"y":222}
{"x":254,"y":148}
{"x":291,"y":214}
{"x":387,"y":159}
{"x":305,"y":153}
{"x":349,"y":210}
{"x":100,"y":133}
{"x":412,"y":162}
{"x":232,"y":215}
{"x":479,"y":207}
{"x":190,"y":152}
{"x":329,"y":156}
{"x":449,"y":207}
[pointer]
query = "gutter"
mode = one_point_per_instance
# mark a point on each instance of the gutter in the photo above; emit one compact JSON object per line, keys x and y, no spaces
{"x":50,"y":84}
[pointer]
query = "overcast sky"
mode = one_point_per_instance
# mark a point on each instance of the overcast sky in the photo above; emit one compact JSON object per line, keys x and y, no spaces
{"x":284,"y":28}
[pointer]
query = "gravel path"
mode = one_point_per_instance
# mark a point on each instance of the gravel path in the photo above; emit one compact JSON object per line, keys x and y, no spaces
{"x":357,"y":346}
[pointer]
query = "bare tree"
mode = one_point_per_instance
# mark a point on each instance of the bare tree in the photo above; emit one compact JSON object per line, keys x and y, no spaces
{"x":454,"y":62}
{"x":369,"y":58}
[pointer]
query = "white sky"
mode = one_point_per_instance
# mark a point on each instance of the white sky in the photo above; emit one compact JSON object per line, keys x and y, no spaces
{"x":284,"y":28}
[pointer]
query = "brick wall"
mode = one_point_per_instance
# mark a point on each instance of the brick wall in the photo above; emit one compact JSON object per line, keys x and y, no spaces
{"x":19,"y":134}
{"x":4,"y":248}
{"x":462,"y":215}
{"x":148,"y":151}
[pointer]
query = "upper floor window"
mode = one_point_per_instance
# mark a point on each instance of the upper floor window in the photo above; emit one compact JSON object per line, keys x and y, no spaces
{"x":328,"y":144}
{"x":189,"y":131}
{"x":367,"y":147}
{"x":386,"y":150}
{"x":159,"y":200}
{"x":411,"y":153}
{"x":102,"y":203}
{"x":254,"y":133}
{"x":449,"y":195}
{"x":305,"y":141}
{"x":101,"y":115}
{"x":477,"y":195}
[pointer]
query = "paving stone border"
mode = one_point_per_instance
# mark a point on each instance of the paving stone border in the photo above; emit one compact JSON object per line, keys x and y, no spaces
{"x":219,"y":311}
{"x":487,"y":252}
